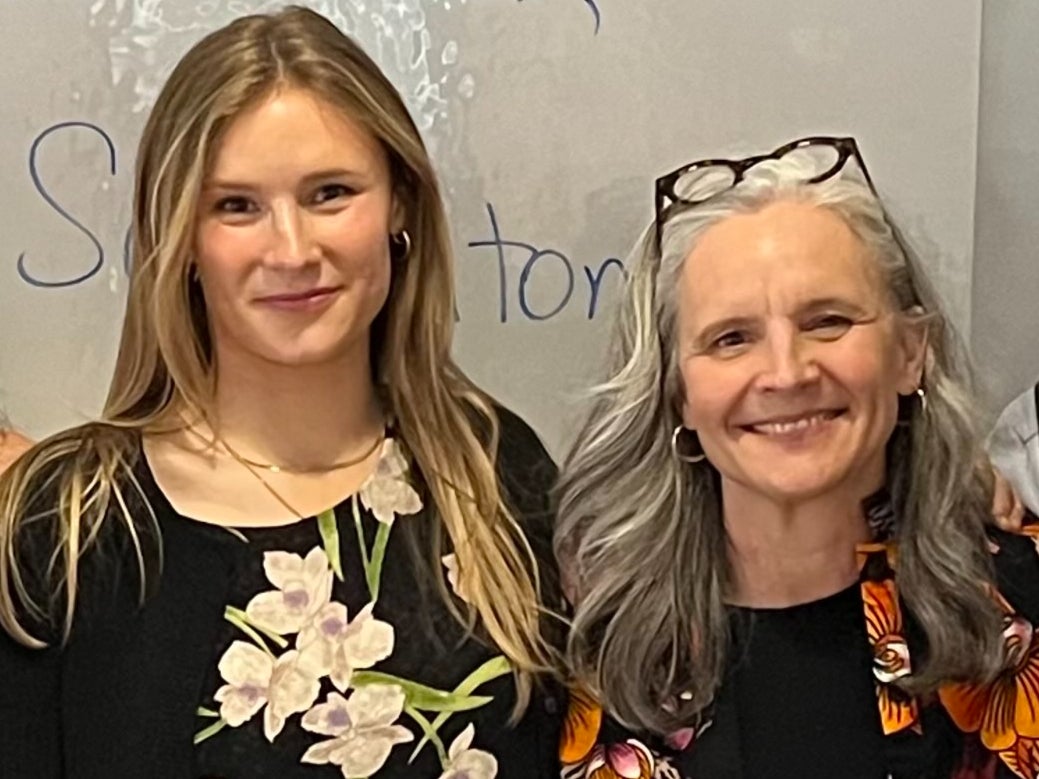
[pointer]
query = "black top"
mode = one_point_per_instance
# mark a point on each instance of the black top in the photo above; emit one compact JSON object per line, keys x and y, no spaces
{"x":789,"y":653}
{"x":808,"y":693}
{"x":273,"y":646}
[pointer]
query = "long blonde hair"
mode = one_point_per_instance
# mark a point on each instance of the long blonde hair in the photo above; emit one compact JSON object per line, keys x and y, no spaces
{"x":164,"y":362}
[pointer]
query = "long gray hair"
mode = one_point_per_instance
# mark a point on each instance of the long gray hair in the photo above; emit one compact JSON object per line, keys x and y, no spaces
{"x":640,"y":535}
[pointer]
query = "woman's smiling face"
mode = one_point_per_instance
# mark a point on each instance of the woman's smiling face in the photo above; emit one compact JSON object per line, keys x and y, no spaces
{"x":792,"y":354}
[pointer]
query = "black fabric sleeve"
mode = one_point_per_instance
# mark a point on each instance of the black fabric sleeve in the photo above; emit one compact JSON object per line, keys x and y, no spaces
{"x":30,"y":711}
{"x":34,"y":707}
{"x":1016,"y":558}
{"x":528,"y":475}
{"x":30,"y":679}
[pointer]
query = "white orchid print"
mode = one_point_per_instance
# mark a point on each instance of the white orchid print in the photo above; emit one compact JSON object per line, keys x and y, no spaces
{"x":363,"y":729}
{"x":247,"y":670}
{"x":304,"y":587}
{"x":320,"y":638}
{"x":336,"y":646}
{"x":254,"y":678}
{"x":467,"y":763}
{"x":387,"y":492}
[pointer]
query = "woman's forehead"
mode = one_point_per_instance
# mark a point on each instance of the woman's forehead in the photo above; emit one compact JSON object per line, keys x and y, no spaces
{"x":789,"y":249}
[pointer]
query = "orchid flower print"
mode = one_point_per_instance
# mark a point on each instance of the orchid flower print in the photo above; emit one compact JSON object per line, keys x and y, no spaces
{"x":296,"y":636}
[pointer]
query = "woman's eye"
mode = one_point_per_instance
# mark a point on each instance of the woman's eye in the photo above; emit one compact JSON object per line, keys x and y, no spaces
{"x":234,"y":205}
{"x":830,"y":324}
{"x":332,"y":192}
{"x":729,"y":340}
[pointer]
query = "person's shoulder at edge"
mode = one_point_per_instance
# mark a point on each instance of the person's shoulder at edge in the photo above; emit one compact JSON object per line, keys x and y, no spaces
{"x":12,"y":446}
{"x":1019,"y":417}
{"x":526,"y":471}
{"x":39,"y":535}
{"x":523,"y":461}
{"x":527,"y":474}
{"x":1013,"y":446}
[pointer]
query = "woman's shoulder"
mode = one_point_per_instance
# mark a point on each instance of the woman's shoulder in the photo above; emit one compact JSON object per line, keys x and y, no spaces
{"x":62,"y":497}
{"x":525,"y":468}
{"x":77,"y":463}
{"x":527,"y":475}
{"x":518,"y":439}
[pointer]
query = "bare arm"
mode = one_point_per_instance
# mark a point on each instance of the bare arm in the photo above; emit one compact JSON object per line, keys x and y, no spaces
{"x":12,"y":445}
{"x":1007,"y":508}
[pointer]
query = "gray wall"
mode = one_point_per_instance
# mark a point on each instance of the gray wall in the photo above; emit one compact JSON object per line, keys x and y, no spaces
{"x":1005,"y":333}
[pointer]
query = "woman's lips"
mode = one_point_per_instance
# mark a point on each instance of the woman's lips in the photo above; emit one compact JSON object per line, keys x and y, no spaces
{"x":308,"y":300}
{"x":792,"y":425}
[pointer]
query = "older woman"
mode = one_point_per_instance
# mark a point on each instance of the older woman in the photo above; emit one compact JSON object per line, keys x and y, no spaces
{"x":772,"y":525}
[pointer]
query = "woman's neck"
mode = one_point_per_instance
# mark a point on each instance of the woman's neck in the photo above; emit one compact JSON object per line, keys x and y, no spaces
{"x":786,"y":554}
{"x":304,"y":417}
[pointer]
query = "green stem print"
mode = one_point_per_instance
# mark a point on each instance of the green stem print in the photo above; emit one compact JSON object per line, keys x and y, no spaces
{"x":372,"y":562}
{"x":420,"y":696}
{"x":492,"y":669}
{"x":326,"y":525}
{"x":211,"y":731}
{"x":361,"y":542}
{"x":241,"y":620}
{"x":373,"y":573}
{"x":430,"y":735}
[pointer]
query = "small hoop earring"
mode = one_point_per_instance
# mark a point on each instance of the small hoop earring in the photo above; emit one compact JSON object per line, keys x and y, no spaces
{"x":402,"y":239}
{"x":905,"y":415}
{"x":678,"y":455}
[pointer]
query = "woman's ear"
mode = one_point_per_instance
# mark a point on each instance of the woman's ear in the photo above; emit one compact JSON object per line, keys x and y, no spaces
{"x":397,"y":214}
{"x":914,"y":345}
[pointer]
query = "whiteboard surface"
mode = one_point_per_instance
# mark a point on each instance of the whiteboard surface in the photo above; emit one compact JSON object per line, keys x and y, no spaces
{"x":552,"y":116}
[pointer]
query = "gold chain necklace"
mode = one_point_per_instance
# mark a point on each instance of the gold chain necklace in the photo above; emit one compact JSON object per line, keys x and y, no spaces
{"x":252,"y":472}
{"x":336,"y":466}
{"x":252,"y":465}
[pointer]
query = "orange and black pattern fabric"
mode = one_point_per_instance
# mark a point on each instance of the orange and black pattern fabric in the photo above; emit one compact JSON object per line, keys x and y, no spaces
{"x":966,"y":731}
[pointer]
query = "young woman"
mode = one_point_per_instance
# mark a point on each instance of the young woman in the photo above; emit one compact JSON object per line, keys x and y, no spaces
{"x":299,"y":542}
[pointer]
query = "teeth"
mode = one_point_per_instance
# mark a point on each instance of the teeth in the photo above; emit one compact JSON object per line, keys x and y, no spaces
{"x":794,"y":426}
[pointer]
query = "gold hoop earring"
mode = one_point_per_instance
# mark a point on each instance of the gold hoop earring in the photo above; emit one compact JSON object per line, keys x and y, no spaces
{"x":680,"y":456}
{"x":402,"y":239}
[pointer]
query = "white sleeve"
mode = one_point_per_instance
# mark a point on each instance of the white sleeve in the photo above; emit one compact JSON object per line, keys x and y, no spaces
{"x":1014,"y":447}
